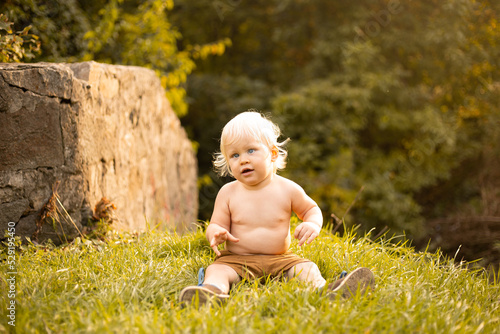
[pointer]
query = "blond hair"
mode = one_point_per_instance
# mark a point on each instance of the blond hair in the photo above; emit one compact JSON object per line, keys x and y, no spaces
{"x":254,"y":125}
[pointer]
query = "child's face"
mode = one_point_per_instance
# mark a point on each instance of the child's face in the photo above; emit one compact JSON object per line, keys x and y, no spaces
{"x":250,"y":161}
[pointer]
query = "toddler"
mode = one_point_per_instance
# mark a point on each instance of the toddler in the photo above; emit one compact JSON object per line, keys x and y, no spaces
{"x":252,"y":216}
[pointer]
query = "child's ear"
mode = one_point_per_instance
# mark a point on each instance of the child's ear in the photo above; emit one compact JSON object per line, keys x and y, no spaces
{"x":274,"y":153}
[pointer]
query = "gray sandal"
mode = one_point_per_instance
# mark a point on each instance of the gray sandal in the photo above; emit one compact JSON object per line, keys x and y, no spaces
{"x":360,"y":280}
{"x":201,"y":294}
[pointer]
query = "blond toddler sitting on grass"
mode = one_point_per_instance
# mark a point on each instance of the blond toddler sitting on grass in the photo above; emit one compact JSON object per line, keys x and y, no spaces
{"x":252,"y":217}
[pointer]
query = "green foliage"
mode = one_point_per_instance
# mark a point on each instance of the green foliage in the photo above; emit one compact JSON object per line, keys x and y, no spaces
{"x":16,"y":46}
{"x":139,"y":33}
{"x":132,"y":283}
{"x":60,"y":25}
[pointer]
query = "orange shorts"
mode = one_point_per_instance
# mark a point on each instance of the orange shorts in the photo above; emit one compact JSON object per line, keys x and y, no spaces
{"x":258,"y":266}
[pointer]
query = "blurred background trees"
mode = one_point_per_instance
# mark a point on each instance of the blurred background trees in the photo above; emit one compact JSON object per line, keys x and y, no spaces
{"x":392,"y":106}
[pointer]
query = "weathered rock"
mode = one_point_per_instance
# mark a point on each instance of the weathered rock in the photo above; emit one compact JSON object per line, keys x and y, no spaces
{"x":100,"y":131}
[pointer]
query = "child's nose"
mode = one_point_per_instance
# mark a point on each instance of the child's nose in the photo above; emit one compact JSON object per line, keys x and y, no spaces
{"x":244,"y":159}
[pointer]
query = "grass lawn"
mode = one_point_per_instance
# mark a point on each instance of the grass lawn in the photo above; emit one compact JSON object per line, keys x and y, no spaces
{"x":131,"y":285}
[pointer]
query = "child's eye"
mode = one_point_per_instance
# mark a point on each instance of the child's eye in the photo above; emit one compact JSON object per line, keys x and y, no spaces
{"x":235,"y":155}
{"x":251,"y":150}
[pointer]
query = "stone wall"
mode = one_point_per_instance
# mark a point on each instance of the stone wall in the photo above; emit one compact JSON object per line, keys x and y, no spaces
{"x":99,"y":131}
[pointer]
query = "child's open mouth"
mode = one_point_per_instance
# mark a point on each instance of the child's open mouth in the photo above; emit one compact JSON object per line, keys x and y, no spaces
{"x":246,"y":171}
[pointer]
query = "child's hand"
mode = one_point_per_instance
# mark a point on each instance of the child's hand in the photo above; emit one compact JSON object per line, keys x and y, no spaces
{"x":306,"y":232}
{"x":219,"y":238}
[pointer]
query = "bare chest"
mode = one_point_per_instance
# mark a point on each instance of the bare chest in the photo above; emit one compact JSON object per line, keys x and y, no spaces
{"x":264,"y":209}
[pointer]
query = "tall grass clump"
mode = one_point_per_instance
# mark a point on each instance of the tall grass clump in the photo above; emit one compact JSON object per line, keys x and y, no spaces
{"x":130,"y":284}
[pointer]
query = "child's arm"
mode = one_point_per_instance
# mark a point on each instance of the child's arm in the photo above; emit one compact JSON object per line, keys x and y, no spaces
{"x":220,"y":223}
{"x":308,"y":211}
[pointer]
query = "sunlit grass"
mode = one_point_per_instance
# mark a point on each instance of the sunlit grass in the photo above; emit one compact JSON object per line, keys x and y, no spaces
{"x":131,"y":284}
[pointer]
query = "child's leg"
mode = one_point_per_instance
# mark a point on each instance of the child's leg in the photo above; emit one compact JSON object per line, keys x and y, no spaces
{"x":307,"y":271}
{"x":221,"y":276}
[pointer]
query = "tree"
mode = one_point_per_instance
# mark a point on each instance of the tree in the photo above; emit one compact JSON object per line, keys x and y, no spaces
{"x":16,"y":46}
{"x":60,"y":25}
{"x":139,"y":33}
